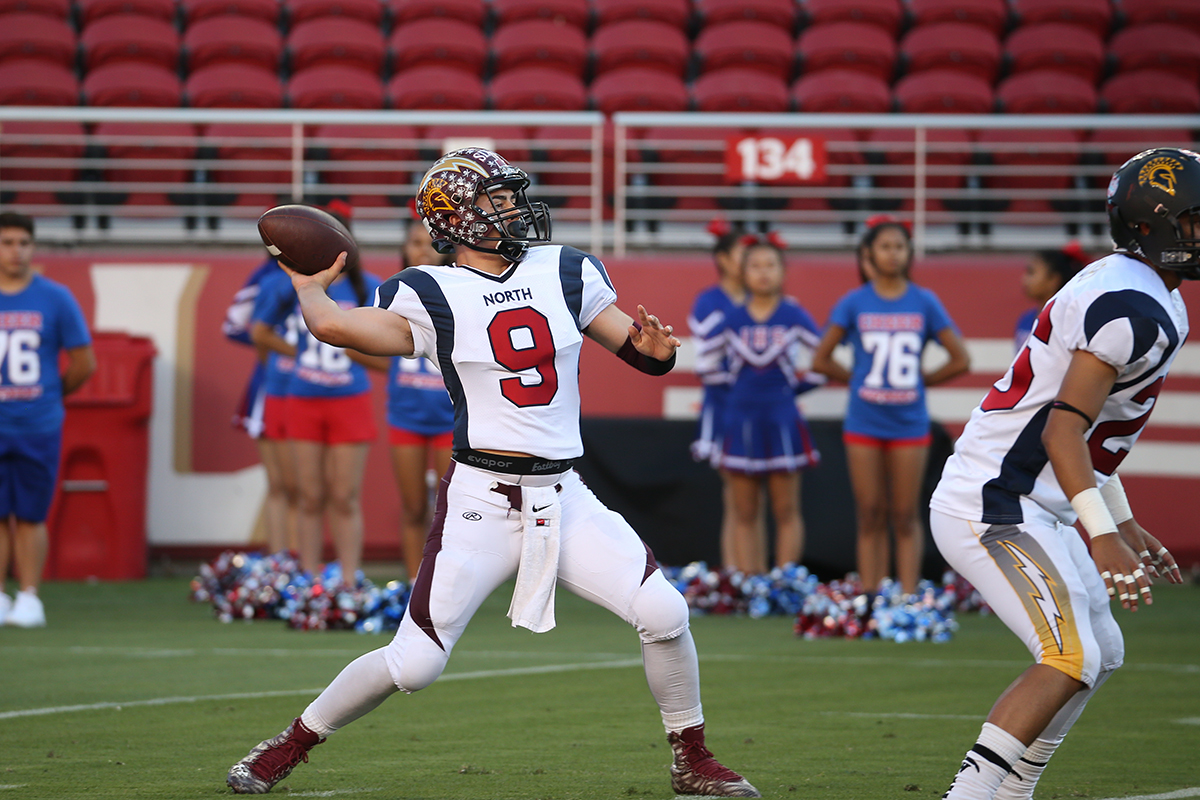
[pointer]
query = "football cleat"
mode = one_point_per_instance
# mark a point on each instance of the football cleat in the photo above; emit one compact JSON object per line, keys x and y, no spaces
{"x":273,"y":760}
{"x":696,"y":772}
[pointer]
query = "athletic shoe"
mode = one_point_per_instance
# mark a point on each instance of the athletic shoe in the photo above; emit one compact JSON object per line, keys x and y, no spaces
{"x":5,"y":606}
{"x":696,"y":772}
{"x":26,"y":611}
{"x":273,"y":760}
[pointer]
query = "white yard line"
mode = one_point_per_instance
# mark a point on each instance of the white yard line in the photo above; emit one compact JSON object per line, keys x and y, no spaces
{"x":899,"y":715}
{"x":1193,"y":791}
{"x":331,"y":792}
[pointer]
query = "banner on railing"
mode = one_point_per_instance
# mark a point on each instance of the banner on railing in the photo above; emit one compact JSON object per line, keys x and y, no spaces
{"x":775,"y":159}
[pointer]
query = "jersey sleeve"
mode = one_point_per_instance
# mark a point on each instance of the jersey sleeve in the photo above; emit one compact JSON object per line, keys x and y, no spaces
{"x":400,"y":295}
{"x":936,"y":318}
{"x":842,"y":314}
{"x":598,"y":291}
{"x":74,"y":327}
{"x":276,"y":299}
{"x":1127,"y":329}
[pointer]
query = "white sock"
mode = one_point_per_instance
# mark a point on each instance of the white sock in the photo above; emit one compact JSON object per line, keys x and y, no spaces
{"x":986,"y":765}
{"x":1019,"y":784}
{"x":359,"y":688}
{"x":673,"y":673}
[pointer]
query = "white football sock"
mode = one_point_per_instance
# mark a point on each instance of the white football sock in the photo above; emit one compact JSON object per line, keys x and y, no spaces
{"x":673,"y":672}
{"x":359,"y":688}
{"x":986,"y":765}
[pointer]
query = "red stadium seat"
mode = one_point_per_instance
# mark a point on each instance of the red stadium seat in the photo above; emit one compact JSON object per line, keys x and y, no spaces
{"x":955,"y":46}
{"x":25,"y":35}
{"x":472,"y":12}
{"x":570,"y":12}
{"x":842,"y":148}
{"x":1024,"y":156}
{"x":675,"y":13}
{"x":945,"y":148}
{"x":1176,"y":12}
{"x":1150,"y":91}
{"x":1093,"y":14}
{"x":366,"y":143}
{"x":234,"y":86}
{"x":989,"y":14}
{"x":749,"y":45}
{"x":944,"y":92}
{"x":436,"y":87}
{"x":640,"y":43}
{"x":1053,"y":45}
{"x":92,"y":10}
{"x":539,"y":43}
{"x":684,"y":147}
{"x":146,"y":141}
{"x":131,"y":83}
{"x":847,"y":45}
{"x":336,"y":40}
{"x":1115,"y":146}
{"x":335,"y":86}
{"x":843,"y":91}
{"x":538,"y":89}
{"x":438,"y":41}
{"x":887,"y":14}
{"x":59,"y":9}
{"x":638,"y":89}
{"x":740,"y":89}
{"x":1157,"y":45}
{"x":130,"y":38}
{"x":565,"y":146}
{"x":38,"y":140}
{"x":37,"y":83}
{"x":252,"y":155}
{"x":511,"y":141}
{"x":1046,"y":92}
{"x":781,"y":13}
{"x":302,"y":10}
{"x":196,"y":10}
{"x":232,"y":39}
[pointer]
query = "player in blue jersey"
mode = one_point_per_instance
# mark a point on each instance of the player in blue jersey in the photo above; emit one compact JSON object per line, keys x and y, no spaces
{"x":39,"y":319}
{"x":1046,"y":273}
{"x":768,"y":342}
{"x":705,"y":323}
{"x":506,"y":324}
{"x":420,"y":421}
{"x":888,"y":322}
{"x":329,"y":421}
{"x":259,"y":411}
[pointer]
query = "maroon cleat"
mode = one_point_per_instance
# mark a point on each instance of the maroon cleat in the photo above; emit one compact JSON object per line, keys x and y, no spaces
{"x":696,"y":772}
{"x":273,"y":760}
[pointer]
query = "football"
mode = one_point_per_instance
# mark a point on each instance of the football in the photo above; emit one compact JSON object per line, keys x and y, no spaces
{"x":306,"y":239}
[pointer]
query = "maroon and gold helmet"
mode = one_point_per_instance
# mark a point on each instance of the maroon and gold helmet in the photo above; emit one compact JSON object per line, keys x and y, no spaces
{"x":452,"y":187}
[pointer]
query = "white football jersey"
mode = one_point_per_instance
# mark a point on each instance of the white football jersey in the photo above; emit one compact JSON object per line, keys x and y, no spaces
{"x":1118,"y":310}
{"x":507,"y":345}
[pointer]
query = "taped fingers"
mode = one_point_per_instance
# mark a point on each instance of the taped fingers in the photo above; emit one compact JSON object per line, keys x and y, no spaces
{"x":1108,"y":583}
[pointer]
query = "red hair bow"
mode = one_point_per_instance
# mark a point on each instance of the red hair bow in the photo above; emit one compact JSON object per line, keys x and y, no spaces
{"x":876,"y":220}
{"x":719,"y":227}
{"x":1074,"y":250}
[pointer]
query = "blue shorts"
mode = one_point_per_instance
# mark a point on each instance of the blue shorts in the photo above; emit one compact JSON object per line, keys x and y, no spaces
{"x":28,"y":471}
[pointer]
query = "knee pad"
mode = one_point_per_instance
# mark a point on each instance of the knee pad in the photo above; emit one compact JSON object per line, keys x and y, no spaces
{"x":659,"y":610}
{"x":414,"y":660}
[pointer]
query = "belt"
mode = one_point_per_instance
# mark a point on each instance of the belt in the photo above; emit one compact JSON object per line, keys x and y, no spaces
{"x":514,"y":465}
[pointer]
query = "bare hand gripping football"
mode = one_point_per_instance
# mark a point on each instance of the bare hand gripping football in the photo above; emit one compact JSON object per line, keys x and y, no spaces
{"x":306,"y":239}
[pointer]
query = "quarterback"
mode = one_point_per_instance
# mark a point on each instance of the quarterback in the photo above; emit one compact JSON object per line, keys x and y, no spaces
{"x":505,"y":324}
{"x":1042,"y":451}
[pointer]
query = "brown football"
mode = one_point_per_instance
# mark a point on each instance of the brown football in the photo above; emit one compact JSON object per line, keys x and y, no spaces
{"x":306,"y":239}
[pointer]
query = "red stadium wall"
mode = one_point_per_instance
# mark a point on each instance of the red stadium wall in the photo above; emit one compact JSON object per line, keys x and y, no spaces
{"x":209,"y":372}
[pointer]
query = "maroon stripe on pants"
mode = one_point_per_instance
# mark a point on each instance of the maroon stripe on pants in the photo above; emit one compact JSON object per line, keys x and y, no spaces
{"x":418,"y":600}
{"x":651,"y":563}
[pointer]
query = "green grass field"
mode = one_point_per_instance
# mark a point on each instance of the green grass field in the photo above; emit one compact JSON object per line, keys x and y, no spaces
{"x":168,"y":699}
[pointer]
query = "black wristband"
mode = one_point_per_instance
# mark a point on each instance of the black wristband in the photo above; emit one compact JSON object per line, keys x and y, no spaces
{"x":642,"y":363}
{"x":1068,"y":407}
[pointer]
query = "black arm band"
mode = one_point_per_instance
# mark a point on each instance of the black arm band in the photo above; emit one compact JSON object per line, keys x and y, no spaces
{"x":1073,"y":410}
{"x":642,"y":363}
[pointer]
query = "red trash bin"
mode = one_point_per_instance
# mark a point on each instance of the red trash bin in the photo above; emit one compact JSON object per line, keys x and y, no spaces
{"x":97,"y":524}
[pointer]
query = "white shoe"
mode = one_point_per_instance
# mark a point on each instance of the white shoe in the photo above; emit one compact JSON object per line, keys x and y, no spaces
{"x":5,"y":606}
{"x":27,"y":611}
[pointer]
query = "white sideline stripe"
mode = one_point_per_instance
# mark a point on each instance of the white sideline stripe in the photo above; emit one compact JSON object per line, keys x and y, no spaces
{"x":13,"y":785}
{"x":900,"y":715}
{"x":1193,"y":791}
{"x":1189,"y":721}
{"x":331,"y":792}
{"x":457,"y":676}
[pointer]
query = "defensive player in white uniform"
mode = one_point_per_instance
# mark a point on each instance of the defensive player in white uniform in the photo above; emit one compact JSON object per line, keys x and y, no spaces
{"x":505,"y":324}
{"x":1042,"y":451}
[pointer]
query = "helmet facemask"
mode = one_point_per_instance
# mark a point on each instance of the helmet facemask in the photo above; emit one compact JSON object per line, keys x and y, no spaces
{"x":516,"y":227}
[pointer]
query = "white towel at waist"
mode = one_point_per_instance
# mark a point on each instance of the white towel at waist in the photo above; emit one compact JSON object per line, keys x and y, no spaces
{"x":533,"y":598}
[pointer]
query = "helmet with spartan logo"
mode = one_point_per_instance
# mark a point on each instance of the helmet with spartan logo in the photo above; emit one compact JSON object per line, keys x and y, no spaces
{"x":448,"y":202}
{"x":1149,"y":198}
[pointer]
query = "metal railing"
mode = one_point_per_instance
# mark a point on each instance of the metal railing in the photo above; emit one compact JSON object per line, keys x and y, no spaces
{"x":204,"y":176}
